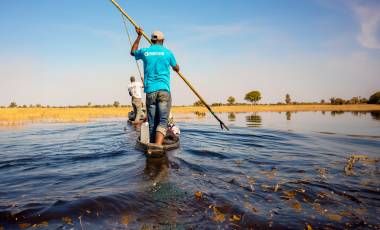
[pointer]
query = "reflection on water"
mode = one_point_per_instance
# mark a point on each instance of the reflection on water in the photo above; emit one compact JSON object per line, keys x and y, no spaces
{"x":359,"y":113}
{"x":253,"y":120}
{"x":288,"y":115}
{"x":231,"y":117}
{"x":200,"y":114}
{"x":333,"y":113}
{"x":376,"y":115}
{"x":346,"y":123}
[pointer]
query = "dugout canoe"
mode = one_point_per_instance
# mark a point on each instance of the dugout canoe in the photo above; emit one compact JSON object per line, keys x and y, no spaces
{"x":152,"y":150}
{"x":132,"y":122}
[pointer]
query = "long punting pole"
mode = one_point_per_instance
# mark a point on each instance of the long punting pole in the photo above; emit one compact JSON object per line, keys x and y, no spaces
{"x":222,"y":125}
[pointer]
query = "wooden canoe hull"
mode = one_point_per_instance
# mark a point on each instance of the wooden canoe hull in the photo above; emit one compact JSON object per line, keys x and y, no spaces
{"x":156,"y":151}
{"x":139,"y":122}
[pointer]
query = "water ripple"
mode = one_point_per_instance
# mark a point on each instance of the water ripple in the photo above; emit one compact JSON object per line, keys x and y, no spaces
{"x":91,"y":176}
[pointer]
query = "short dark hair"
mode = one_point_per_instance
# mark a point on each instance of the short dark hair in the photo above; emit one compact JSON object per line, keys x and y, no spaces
{"x":133,"y":79}
{"x":159,"y":42}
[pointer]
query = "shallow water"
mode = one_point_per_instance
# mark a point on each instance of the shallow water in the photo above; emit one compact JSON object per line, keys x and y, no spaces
{"x":276,"y":170}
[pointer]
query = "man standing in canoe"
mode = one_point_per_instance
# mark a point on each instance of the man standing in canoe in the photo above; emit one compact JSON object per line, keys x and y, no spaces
{"x":134,"y":90}
{"x":157,"y":62}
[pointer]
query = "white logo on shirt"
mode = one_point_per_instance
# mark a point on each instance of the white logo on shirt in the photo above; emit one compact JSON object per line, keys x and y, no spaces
{"x":154,"y":54}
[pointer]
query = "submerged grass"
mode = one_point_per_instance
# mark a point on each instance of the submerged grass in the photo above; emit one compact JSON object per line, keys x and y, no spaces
{"x":19,"y":116}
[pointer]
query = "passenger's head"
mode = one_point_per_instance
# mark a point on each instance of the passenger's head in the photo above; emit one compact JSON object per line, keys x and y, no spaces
{"x":157,"y":37}
{"x":133,"y":79}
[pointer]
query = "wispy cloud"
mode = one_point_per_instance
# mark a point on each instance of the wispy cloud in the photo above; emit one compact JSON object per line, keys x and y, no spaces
{"x":247,"y":30}
{"x":206,"y":32}
{"x":368,"y":15}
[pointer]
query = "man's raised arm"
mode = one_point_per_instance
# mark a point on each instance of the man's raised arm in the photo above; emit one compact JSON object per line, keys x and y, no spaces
{"x":135,"y":45}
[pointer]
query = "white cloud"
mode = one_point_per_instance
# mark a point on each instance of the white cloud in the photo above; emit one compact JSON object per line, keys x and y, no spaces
{"x":368,"y":16}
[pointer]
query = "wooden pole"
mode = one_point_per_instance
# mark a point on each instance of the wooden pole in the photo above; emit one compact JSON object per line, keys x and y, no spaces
{"x":222,"y":125}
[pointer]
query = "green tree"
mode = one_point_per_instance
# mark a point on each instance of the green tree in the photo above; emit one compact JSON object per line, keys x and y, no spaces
{"x":337,"y":101}
{"x":12,"y":105}
{"x":340,"y":101}
{"x":323,"y":101}
{"x":198,"y":103}
{"x":287,"y":99}
{"x":231,"y":100}
{"x":363,"y":100}
{"x":116,"y":104}
{"x":354,"y":100}
{"x":374,"y":98}
{"x":253,"y":96}
{"x":89,"y":104}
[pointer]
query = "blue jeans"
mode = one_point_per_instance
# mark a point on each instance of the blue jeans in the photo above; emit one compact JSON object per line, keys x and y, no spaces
{"x":158,"y":105}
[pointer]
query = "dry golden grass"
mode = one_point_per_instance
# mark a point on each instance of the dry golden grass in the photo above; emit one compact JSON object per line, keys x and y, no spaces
{"x":18,"y":116}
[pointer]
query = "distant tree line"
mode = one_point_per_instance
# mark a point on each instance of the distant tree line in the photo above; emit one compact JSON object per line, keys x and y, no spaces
{"x":253,"y":97}
{"x":373,"y":99}
{"x":354,"y":100}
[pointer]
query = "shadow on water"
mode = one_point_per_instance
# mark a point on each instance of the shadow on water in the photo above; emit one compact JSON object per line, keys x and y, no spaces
{"x":253,"y":120}
{"x":156,"y":168}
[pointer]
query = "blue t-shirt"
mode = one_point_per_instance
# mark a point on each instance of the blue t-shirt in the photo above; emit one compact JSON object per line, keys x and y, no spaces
{"x":157,"y":61}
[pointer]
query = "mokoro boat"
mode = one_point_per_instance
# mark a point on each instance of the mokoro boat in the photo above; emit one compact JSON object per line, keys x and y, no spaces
{"x":131,"y":119}
{"x":152,"y":150}
{"x":135,"y":122}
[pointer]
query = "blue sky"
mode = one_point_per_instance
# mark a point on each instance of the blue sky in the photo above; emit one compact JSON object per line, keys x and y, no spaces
{"x":74,"y":52}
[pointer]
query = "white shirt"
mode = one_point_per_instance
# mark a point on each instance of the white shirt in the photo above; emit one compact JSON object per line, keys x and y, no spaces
{"x":135,"y":89}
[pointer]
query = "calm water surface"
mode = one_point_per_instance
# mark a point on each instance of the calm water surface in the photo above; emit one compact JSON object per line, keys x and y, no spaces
{"x":272,"y":170}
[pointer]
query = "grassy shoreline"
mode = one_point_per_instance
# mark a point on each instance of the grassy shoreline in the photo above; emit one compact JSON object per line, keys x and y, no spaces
{"x":19,"y":116}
